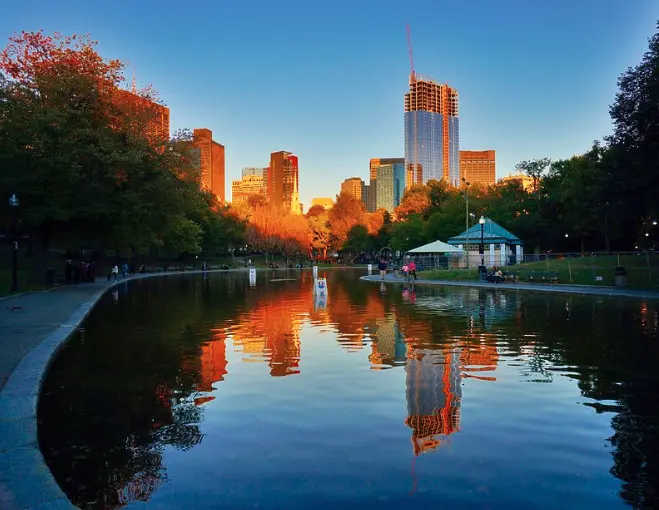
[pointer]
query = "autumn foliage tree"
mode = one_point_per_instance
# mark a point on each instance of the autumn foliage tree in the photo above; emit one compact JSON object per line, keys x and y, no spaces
{"x":88,"y":175}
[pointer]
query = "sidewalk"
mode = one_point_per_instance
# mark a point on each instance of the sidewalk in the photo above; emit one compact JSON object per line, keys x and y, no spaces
{"x":593,"y":290}
{"x":27,"y":319}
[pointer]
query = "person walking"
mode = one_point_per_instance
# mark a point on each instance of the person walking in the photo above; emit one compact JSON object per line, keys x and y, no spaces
{"x":382,"y":267}
{"x":115,"y":272}
{"x":411,"y":267}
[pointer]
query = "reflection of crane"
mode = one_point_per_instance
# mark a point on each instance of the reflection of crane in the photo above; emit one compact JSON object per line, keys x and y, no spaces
{"x":409,"y":45}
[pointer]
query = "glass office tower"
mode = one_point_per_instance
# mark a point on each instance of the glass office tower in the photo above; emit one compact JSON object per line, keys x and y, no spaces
{"x":432,"y":130}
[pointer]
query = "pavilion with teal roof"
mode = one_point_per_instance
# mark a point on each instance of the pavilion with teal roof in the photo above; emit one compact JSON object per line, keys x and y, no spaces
{"x":501,"y":247}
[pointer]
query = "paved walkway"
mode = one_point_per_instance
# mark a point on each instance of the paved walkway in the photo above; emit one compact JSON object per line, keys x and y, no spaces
{"x":594,"y":290}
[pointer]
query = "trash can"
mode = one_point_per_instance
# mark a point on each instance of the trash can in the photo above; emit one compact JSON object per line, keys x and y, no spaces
{"x":50,"y":276}
{"x":482,"y":273}
{"x":620,"y":277}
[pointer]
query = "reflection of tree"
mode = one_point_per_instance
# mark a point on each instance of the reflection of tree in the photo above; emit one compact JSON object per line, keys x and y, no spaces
{"x":118,"y":395}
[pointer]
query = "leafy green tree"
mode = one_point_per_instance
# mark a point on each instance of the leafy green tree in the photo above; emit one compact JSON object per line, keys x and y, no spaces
{"x":359,"y":241}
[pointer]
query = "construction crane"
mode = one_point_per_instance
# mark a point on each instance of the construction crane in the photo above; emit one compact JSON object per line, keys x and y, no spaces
{"x":409,"y":45}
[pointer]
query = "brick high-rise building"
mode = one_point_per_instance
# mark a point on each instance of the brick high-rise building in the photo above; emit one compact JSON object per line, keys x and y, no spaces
{"x":282,"y":181}
{"x":211,"y":162}
{"x":353,"y":186}
{"x":148,"y":117}
{"x":432,"y":130}
{"x":478,"y":167}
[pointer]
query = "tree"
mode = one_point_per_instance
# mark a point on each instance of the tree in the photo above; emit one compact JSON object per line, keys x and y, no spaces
{"x":320,"y":232}
{"x":347,"y":212}
{"x":358,"y":240}
{"x":635,"y":114}
{"x":416,"y":200}
{"x":534,"y":168}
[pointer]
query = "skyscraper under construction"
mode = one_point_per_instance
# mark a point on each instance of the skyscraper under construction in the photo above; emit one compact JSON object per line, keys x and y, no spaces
{"x":431,"y":132}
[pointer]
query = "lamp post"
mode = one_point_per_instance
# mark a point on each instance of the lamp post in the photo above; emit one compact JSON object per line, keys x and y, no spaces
{"x":13,"y":204}
{"x":481,"y":248}
{"x":466,"y":183}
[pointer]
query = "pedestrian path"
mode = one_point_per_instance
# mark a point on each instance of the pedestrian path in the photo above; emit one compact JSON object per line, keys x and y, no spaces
{"x":593,"y":290}
{"x":26,"y":319}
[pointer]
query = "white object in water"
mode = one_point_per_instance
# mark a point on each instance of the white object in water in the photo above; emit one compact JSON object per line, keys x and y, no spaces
{"x":320,"y":286}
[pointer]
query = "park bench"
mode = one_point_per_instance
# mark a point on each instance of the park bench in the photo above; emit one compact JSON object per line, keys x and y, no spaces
{"x":511,"y":276}
{"x":544,"y":276}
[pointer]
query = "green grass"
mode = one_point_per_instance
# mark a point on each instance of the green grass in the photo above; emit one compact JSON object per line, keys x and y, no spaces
{"x":575,"y":271}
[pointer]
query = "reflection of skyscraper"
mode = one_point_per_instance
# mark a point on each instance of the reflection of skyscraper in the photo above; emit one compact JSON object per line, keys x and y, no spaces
{"x":388,"y":345}
{"x":433,"y":397}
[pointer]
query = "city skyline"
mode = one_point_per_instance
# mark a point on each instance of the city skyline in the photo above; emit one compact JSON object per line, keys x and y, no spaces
{"x":522,"y":92}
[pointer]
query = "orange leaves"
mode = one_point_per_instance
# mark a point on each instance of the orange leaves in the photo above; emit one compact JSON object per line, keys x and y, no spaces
{"x":272,"y":229}
{"x":33,"y":54}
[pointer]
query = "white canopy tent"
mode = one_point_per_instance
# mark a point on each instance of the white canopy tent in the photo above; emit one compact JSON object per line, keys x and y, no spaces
{"x":437,"y":247}
{"x":436,"y":255}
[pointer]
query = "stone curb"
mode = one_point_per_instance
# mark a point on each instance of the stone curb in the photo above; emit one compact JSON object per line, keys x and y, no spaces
{"x":26,"y":483}
{"x":583,"y":290}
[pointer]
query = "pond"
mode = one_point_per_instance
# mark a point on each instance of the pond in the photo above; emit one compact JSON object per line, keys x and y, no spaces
{"x":206,"y":391}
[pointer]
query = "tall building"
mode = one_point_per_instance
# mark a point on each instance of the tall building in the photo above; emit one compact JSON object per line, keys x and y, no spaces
{"x":478,"y":167}
{"x":148,"y":117}
{"x":353,"y":186}
{"x":387,"y":183}
{"x":413,"y":175}
{"x":248,"y":186}
{"x":432,"y":130}
{"x":525,"y":180}
{"x":253,"y":171}
{"x":366,"y":198}
{"x":211,"y":162}
{"x":282,"y":181}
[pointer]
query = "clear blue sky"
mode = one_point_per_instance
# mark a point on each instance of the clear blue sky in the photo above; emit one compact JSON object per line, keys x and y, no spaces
{"x":326,"y":80}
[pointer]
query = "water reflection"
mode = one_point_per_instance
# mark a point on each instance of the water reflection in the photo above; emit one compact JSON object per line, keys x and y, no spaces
{"x":175,"y":361}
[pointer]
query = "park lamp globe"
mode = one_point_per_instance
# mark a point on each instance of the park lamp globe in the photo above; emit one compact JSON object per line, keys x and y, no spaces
{"x":13,"y":200}
{"x":482,"y":220}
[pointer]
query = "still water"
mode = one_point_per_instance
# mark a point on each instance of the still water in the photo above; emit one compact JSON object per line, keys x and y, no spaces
{"x":207,"y":392}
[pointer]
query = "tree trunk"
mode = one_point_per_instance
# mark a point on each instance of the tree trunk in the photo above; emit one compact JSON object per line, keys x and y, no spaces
{"x":607,"y":236}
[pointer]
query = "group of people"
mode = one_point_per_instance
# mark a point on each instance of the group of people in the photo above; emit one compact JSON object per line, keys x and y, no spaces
{"x":79,"y":271}
{"x":408,"y":269}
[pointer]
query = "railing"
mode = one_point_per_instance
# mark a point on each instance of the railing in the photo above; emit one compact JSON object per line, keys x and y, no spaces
{"x":641,"y":268}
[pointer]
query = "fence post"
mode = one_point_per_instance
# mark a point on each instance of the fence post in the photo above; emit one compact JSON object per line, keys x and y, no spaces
{"x":592,"y":263}
{"x":569,"y":267}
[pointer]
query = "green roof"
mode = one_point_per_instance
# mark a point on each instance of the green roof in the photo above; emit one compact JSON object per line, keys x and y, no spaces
{"x":493,"y":233}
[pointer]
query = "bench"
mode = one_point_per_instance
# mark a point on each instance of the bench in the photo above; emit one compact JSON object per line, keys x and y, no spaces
{"x":512,"y":276}
{"x":544,"y":276}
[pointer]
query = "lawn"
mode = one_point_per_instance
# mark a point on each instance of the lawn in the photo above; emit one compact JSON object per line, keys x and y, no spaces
{"x":642,"y":271}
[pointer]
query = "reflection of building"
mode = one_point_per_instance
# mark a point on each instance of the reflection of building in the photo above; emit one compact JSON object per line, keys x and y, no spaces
{"x":478,"y":167}
{"x":353,"y":186}
{"x":432,"y":130}
{"x":282,"y":181}
{"x":211,"y":162}
{"x":433,"y":397}
{"x":213,"y":363}
{"x":388,"y":344}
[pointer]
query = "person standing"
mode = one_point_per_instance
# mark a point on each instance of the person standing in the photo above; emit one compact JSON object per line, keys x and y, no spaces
{"x":115,"y":272}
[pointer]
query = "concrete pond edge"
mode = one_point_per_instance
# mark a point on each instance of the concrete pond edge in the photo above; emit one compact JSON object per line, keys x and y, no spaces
{"x":583,"y":290}
{"x":26,"y":482}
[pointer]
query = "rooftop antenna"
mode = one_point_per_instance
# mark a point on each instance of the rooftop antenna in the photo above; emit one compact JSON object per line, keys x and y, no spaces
{"x":409,"y":45}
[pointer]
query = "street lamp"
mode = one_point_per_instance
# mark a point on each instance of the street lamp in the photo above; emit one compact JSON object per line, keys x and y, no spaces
{"x":481,"y":248}
{"x":467,"y":184}
{"x":13,"y":204}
